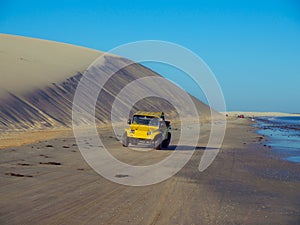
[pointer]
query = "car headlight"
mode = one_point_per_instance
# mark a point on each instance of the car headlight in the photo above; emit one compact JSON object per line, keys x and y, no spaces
{"x":149,"y":132}
{"x":132,"y":131}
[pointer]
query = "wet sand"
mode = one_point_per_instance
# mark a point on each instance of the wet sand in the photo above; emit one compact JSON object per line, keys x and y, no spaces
{"x":48,"y":182}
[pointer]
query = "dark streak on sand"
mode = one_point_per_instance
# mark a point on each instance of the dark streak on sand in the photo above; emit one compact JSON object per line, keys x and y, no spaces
{"x":24,"y":164}
{"x":50,"y":163}
{"x":121,"y":175}
{"x":18,"y":175}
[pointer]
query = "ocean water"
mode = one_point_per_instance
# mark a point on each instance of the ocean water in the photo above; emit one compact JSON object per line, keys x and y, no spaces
{"x":283,"y":134}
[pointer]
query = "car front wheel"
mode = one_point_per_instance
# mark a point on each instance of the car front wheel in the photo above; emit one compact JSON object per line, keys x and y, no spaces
{"x":165,"y":143}
{"x":125,"y":140}
{"x":158,"y":142}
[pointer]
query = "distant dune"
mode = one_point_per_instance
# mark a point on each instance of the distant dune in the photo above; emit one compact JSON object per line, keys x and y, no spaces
{"x":39,"y":79}
{"x":258,"y":114}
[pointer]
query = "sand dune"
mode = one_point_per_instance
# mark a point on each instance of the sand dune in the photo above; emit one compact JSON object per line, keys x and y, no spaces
{"x":39,"y":79}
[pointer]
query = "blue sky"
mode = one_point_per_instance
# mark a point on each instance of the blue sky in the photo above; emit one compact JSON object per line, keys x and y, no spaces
{"x":252,"y":47}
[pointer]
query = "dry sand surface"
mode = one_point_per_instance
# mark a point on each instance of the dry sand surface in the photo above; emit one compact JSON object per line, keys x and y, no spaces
{"x":48,"y":182}
{"x":22,"y":137}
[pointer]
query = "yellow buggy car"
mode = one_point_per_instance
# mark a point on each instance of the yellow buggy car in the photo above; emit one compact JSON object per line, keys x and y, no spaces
{"x":148,"y":127}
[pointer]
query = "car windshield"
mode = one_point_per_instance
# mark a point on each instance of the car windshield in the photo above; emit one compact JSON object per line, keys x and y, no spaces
{"x":145,"y":120}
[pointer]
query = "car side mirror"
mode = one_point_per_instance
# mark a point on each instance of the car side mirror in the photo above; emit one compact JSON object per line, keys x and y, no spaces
{"x":129,"y":121}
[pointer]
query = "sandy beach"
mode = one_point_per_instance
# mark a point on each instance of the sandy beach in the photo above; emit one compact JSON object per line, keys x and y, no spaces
{"x":48,"y":182}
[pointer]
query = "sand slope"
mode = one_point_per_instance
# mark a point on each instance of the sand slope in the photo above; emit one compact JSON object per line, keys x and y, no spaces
{"x":39,"y":79}
{"x":27,"y":63}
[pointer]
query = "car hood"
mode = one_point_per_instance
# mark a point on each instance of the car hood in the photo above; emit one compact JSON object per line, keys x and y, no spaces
{"x":142,"y":127}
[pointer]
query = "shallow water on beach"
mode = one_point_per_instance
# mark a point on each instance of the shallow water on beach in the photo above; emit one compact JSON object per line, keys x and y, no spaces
{"x":283,"y":135}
